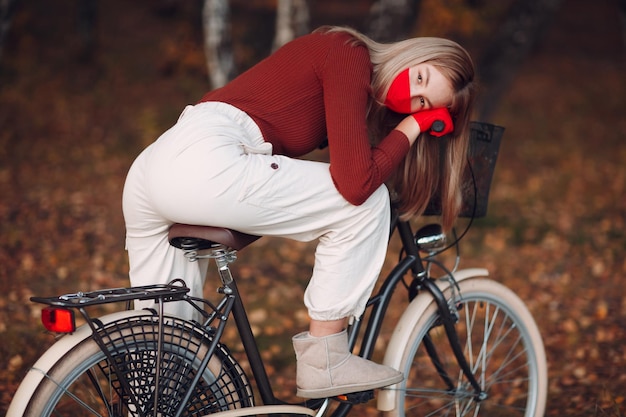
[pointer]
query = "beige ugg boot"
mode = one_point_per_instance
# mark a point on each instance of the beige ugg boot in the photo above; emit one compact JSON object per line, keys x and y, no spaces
{"x":326,"y":368}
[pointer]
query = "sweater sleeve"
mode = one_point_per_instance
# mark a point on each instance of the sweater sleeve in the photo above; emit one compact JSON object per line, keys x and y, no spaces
{"x":357,"y":168}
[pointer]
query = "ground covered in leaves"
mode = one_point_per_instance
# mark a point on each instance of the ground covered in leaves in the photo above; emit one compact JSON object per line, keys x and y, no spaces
{"x":71,"y":124}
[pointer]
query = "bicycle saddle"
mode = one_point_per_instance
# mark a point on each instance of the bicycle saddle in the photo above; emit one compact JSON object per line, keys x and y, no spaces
{"x":208,"y":236}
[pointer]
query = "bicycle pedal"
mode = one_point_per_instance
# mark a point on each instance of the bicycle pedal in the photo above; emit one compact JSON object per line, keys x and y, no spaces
{"x":356,"y":397}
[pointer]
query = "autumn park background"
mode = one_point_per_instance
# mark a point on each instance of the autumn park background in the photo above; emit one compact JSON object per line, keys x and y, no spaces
{"x":72,"y":120}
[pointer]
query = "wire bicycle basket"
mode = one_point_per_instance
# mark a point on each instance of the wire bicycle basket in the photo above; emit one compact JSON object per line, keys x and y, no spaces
{"x":156,"y":364}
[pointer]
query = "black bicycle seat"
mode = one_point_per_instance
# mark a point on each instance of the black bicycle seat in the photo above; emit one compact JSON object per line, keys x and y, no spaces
{"x":208,"y":236}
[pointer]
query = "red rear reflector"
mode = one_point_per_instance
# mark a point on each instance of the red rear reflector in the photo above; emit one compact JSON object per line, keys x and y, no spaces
{"x":58,"y":320}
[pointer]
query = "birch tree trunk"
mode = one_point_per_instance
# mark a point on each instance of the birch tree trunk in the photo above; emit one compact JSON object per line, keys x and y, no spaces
{"x":292,"y":20}
{"x":217,"y":41}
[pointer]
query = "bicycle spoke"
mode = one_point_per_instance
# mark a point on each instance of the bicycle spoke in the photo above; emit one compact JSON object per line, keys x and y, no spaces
{"x":438,"y":395}
{"x":77,"y":400}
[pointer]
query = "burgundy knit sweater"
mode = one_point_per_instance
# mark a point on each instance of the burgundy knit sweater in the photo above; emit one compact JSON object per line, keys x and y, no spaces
{"x":312,"y":89}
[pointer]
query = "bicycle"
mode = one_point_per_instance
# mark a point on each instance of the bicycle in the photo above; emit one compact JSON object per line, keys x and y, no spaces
{"x":466,"y":344}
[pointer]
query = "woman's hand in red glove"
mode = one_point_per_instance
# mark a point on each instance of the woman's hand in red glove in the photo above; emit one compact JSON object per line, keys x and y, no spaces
{"x":438,"y":121}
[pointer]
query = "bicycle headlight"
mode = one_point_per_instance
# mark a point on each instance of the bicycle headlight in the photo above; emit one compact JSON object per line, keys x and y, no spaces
{"x":430,"y":237}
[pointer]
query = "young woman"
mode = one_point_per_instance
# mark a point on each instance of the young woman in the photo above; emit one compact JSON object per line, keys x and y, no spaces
{"x":230,"y":161}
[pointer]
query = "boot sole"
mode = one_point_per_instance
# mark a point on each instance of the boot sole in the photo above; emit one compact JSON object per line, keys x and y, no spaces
{"x":347,"y":389}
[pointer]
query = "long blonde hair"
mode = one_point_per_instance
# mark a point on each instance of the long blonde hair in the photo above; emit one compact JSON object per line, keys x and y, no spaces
{"x":434,"y":167}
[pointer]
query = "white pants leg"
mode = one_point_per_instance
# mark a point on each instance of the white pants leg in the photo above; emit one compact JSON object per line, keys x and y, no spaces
{"x":214,"y":168}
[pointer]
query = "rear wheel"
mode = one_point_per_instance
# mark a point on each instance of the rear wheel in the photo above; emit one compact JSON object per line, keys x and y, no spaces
{"x":504,"y":349}
{"x":84,"y":382}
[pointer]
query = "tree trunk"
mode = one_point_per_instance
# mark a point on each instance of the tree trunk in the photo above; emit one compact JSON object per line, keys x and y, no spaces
{"x":7,"y":7}
{"x":217,"y":41}
{"x":292,"y":20}
{"x":622,"y":15}
{"x":392,"y":20}
{"x":87,"y":18}
{"x":523,"y":27}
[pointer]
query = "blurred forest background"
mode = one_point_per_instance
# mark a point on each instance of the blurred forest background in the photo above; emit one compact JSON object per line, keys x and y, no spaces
{"x":79,"y":102}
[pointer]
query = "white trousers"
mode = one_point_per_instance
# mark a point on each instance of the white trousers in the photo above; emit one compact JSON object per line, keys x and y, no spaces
{"x":214,"y":168}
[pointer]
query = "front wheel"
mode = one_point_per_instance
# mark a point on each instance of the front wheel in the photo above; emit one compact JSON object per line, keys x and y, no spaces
{"x":503,"y":347}
{"x":85,"y":382}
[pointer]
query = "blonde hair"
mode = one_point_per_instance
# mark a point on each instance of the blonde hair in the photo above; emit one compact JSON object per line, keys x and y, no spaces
{"x":434,"y":168}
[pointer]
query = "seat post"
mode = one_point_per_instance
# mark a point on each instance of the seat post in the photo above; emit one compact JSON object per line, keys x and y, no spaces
{"x":222,"y":245}
{"x":223,"y":257}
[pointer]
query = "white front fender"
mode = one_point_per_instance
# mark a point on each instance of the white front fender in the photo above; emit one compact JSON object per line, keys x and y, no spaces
{"x":387,"y":400}
{"x":37,"y":372}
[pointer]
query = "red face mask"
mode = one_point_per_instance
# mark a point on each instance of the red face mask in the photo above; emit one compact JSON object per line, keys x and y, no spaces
{"x":399,"y":95}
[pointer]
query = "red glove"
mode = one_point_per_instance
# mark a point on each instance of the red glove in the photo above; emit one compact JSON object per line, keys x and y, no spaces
{"x":438,"y":121}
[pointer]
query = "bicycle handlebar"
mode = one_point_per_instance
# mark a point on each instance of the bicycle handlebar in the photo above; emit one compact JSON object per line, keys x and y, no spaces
{"x":438,"y":126}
